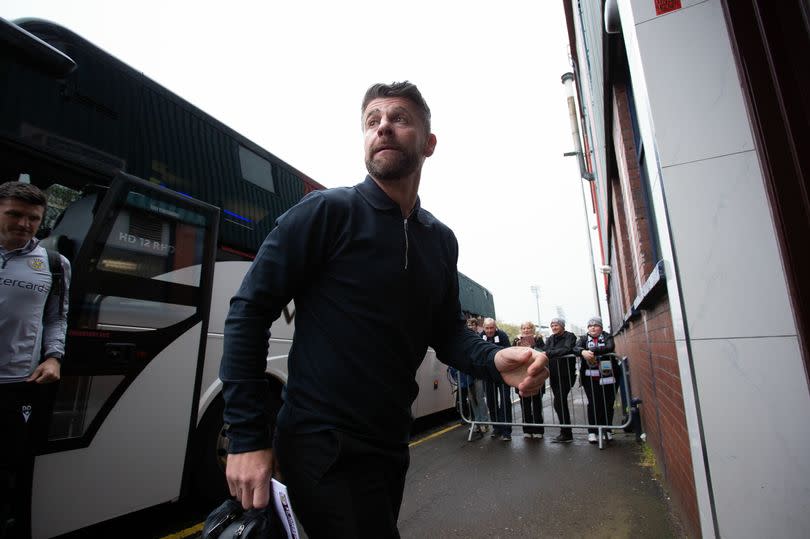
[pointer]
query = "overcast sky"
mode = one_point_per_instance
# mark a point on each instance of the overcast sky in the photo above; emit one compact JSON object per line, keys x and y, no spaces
{"x":290,"y":76}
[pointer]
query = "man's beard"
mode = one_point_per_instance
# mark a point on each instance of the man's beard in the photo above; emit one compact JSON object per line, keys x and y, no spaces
{"x":392,"y":169}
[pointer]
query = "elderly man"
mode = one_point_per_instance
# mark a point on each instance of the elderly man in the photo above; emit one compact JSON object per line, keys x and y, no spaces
{"x":562,"y":364}
{"x":499,"y":396}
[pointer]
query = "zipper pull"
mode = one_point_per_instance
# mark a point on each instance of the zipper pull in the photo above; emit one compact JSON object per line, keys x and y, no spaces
{"x":405,"y":224}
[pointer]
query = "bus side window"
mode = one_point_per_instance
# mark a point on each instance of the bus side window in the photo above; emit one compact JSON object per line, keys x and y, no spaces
{"x":66,"y":235}
{"x":59,"y":198}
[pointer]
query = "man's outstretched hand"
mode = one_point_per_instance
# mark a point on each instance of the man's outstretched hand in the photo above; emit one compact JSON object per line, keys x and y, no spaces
{"x":523,"y":368}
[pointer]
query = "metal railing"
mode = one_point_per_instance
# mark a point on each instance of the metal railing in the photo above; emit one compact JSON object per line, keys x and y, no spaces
{"x":586,"y":398}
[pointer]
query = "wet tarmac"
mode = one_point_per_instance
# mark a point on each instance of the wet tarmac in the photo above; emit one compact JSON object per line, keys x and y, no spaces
{"x":532,"y":488}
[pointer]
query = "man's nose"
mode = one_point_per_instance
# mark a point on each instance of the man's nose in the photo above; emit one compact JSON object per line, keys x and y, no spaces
{"x":384,"y":127}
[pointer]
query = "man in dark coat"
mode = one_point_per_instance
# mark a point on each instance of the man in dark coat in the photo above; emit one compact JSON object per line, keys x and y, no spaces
{"x":562,"y":364}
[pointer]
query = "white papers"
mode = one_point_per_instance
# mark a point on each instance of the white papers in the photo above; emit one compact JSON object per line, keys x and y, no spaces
{"x":284,"y":509}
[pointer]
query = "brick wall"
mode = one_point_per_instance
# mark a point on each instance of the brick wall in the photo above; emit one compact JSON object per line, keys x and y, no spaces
{"x":635,"y":207}
{"x":648,"y":342}
{"x":647,"y":338}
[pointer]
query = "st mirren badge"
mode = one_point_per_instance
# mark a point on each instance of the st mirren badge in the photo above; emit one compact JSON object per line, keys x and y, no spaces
{"x":36,"y":263}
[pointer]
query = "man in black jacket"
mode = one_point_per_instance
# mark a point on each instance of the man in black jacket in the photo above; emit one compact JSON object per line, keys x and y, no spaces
{"x":361,"y":264}
{"x":562,"y":364}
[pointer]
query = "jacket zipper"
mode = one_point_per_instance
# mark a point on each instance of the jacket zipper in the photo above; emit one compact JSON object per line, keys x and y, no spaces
{"x":405,"y":223}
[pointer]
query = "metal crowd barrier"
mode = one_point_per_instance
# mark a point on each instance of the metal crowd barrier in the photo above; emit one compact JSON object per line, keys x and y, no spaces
{"x":583,"y":401}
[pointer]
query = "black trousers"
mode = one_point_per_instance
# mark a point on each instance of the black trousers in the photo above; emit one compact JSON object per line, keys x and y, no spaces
{"x":600,"y":401}
{"x":563,"y":376}
{"x":24,"y":411}
{"x":533,"y":411}
{"x":341,"y":486}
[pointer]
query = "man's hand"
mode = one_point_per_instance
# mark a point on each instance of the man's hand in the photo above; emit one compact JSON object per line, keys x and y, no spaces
{"x":523,"y":368}
{"x":46,"y":372}
{"x":248,"y":476}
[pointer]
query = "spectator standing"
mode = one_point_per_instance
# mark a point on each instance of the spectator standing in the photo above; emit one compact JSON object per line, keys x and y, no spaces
{"x":499,"y":395}
{"x":562,"y":364}
{"x":478,"y":403}
{"x":32,"y":344}
{"x":532,"y":407}
{"x":597,"y":375}
{"x":361,"y":264}
{"x":463,"y":382}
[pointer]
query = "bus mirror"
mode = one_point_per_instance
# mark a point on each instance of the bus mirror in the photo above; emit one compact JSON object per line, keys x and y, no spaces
{"x":35,"y":51}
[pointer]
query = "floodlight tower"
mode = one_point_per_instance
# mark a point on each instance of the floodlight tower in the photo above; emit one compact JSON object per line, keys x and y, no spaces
{"x":536,"y":291}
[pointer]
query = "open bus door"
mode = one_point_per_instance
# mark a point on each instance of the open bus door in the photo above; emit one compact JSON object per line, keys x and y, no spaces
{"x":142,"y":263}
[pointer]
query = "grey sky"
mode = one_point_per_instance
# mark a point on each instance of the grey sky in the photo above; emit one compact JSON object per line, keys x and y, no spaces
{"x":290,"y":76}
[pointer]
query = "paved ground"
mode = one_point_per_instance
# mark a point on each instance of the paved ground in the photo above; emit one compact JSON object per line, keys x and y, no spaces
{"x":532,"y":488}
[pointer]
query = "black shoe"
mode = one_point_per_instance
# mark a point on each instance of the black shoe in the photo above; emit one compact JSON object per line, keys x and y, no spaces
{"x":563,"y":439}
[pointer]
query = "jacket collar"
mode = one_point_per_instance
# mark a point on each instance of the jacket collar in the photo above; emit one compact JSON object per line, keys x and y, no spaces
{"x":25,"y":249}
{"x":378,"y":200}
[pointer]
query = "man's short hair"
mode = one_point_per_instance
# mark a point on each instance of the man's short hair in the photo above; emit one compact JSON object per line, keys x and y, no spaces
{"x":404,"y":89}
{"x":25,"y":192}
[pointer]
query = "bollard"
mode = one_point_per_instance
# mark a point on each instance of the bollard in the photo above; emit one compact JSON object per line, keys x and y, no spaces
{"x":635,"y":423}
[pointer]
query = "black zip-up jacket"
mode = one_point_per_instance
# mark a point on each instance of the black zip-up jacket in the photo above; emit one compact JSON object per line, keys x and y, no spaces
{"x":556,"y":347}
{"x":372,"y":291}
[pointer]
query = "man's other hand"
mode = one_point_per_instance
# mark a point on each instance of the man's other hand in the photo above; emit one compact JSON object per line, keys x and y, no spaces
{"x":248,"y":476}
{"x":46,"y":372}
{"x":523,"y":368}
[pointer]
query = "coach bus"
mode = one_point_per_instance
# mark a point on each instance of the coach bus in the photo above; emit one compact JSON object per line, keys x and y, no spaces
{"x":160,"y":209}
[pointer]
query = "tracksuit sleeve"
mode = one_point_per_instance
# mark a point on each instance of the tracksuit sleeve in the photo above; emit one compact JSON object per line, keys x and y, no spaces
{"x":55,"y":324}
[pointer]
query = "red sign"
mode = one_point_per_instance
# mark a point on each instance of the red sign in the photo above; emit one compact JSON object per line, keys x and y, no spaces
{"x":665,"y":6}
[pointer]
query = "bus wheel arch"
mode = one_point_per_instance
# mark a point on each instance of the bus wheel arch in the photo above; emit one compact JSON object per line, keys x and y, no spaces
{"x":210,"y":450}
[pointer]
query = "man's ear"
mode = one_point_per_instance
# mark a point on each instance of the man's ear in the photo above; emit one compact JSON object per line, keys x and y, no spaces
{"x":430,"y":145}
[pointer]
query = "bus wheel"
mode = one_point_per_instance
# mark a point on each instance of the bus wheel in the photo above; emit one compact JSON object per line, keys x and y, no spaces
{"x":208,"y":484}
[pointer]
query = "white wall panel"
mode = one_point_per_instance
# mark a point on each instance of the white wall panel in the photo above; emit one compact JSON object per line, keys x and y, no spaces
{"x":753,"y":407}
{"x":693,"y":86}
{"x":732,"y":280}
{"x":644,"y":10}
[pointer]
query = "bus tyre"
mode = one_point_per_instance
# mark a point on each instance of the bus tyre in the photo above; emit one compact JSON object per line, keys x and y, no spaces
{"x":208,"y":484}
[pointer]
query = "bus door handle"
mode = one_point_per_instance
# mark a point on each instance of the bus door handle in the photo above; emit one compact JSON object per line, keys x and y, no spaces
{"x":119,"y":353}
